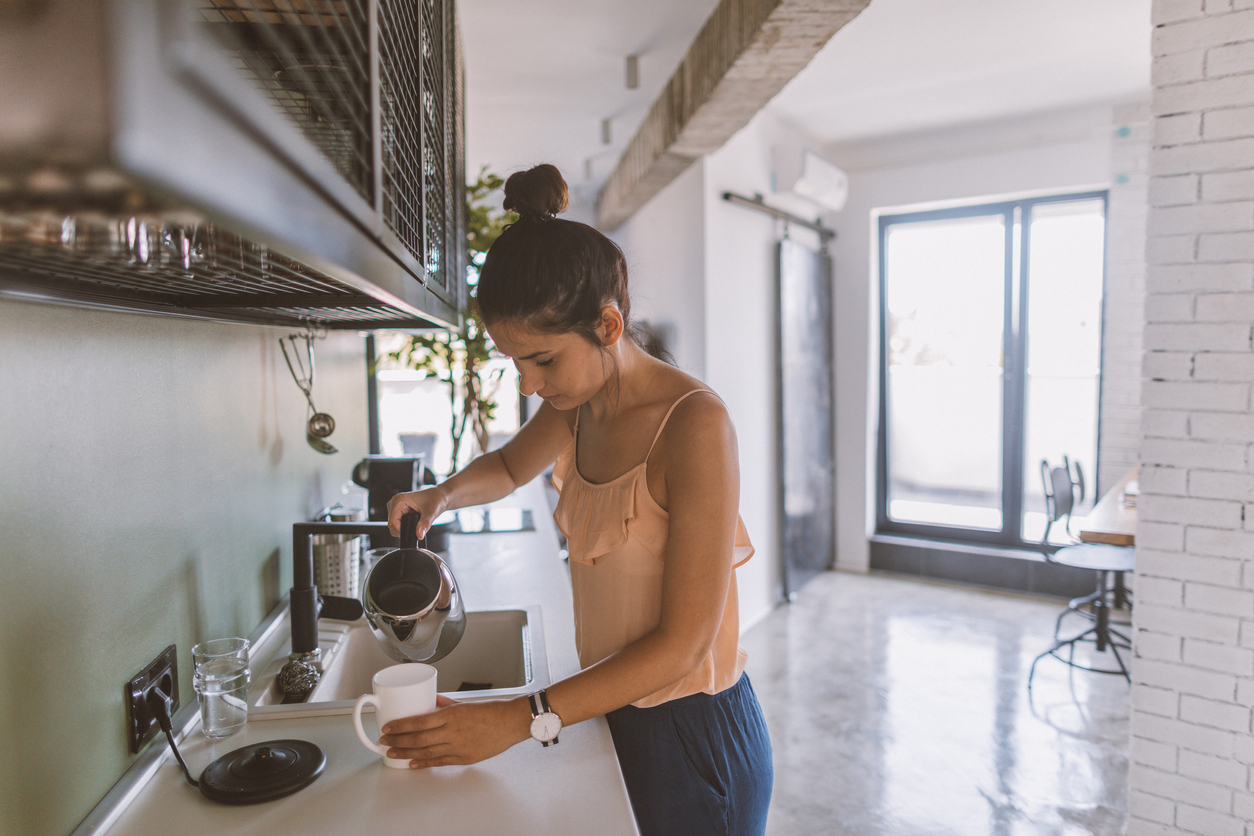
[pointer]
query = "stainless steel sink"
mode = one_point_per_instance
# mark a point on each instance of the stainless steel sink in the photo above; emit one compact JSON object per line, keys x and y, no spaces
{"x":501,"y":654}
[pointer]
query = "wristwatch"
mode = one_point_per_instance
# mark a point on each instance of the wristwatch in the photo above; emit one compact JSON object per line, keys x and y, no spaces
{"x":545,"y":725}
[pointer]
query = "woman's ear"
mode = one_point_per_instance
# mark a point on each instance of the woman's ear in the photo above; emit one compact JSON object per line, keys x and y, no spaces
{"x":611,"y":327}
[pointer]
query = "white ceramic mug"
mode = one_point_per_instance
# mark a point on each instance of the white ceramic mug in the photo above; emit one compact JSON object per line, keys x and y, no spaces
{"x":399,"y":691}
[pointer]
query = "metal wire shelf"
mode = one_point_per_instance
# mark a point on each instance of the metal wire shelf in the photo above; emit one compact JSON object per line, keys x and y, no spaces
{"x":198,"y":270}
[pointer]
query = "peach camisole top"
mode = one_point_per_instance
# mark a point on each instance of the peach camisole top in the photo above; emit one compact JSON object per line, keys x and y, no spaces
{"x":616,"y":537}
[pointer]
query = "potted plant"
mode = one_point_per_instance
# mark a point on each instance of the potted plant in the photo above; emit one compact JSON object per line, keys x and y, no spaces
{"x":459,"y":358}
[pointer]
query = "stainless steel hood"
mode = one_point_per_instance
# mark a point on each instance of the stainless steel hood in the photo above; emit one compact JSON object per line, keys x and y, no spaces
{"x":276,"y":161}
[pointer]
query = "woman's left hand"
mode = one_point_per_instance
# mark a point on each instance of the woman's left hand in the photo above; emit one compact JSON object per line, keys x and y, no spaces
{"x":457,"y":733}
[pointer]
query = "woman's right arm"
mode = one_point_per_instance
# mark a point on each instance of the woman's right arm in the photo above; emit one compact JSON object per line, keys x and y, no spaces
{"x":491,"y":476}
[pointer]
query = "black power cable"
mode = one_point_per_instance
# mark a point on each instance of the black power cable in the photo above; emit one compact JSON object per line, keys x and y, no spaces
{"x":160,"y":703}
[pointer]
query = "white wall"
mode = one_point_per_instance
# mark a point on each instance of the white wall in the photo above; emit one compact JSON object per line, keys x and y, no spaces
{"x":707,"y":268}
{"x":740,"y":349}
{"x":740,"y":338}
{"x":664,"y":245}
{"x":1042,"y":153}
{"x":150,"y":473}
{"x":1192,"y":745}
{"x":1120,"y":441}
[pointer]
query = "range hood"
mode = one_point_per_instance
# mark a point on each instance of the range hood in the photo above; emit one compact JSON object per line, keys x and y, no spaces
{"x":274,"y":161}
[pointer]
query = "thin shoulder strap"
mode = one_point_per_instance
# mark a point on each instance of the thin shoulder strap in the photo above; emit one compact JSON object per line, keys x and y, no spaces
{"x":667,"y":417}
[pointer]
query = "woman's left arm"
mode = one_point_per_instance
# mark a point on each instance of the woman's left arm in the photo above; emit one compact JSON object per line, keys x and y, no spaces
{"x":702,"y":477}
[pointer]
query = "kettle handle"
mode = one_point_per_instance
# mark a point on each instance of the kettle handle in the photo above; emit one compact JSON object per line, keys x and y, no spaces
{"x":409,"y":529}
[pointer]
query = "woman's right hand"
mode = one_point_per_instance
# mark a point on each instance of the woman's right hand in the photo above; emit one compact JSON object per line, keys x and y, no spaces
{"x":429,"y":503}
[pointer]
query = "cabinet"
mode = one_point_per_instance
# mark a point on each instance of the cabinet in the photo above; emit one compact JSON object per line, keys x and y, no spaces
{"x":275,"y":161}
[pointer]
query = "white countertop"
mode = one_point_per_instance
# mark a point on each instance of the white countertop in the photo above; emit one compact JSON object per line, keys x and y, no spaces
{"x":572,"y":788}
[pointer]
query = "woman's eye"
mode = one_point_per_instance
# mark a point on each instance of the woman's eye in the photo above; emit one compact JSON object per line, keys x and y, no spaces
{"x":547,"y":362}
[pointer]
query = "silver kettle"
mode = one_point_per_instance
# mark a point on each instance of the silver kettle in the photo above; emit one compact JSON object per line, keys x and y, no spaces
{"x":411,"y":601}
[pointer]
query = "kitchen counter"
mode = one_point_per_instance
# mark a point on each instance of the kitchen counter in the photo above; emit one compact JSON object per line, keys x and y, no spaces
{"x":571,"y":788}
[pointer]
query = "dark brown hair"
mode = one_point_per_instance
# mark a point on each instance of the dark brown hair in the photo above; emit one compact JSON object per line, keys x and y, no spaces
{"x":550,"y":274}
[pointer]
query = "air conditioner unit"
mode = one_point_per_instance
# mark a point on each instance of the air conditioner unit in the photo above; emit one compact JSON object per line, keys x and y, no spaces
{"x":805,"y":174}
{"x":249,"y":160}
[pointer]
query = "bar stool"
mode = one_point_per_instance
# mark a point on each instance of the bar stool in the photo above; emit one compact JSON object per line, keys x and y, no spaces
{"x":1060,"y":500}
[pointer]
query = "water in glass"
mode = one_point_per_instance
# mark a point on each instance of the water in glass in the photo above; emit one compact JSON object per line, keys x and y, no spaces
{"x":222,"y":685}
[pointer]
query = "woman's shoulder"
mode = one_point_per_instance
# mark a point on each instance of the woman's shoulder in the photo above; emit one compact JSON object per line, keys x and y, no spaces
{"x":675,"y":387}
{"x":696,"y":440}
{"x":694,"y":409}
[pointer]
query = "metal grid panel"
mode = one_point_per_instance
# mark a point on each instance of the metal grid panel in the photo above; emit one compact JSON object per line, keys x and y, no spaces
{"x":455,"y":235}
{"x":312,"y":57}
{"x":400,"y":91}
{"x":198,"y":268}
{"x":435,"y":162}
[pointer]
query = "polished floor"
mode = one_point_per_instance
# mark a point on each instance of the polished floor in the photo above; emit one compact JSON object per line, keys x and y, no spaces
{"x":901,"y":707}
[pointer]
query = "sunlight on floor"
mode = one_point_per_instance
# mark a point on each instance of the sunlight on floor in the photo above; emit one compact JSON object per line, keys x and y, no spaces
{"x":899,"y":707}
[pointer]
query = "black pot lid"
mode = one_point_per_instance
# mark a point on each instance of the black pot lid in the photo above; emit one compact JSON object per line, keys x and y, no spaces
{"x":262,"y":771}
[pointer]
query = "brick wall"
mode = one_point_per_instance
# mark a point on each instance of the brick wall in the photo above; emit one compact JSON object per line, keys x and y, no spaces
{"x":1193,"y":672}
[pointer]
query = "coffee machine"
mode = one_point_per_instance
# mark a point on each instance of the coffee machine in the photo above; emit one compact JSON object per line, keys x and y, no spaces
{"x":386,"y":476}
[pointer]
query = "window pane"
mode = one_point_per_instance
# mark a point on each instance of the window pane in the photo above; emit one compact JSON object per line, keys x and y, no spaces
{"x":945,"y":288}
{"x":1064,"y":299}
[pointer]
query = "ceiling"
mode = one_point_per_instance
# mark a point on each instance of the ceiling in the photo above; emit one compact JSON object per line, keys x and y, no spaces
{"x":909,"y":65}
{"x":541,"y":75}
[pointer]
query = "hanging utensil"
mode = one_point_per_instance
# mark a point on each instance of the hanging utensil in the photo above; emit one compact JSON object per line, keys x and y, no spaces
{"x":319,"y":424}
{"x":321,"y":445}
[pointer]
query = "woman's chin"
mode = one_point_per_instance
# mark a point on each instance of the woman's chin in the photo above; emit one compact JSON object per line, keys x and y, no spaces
{"x":562,"y":403}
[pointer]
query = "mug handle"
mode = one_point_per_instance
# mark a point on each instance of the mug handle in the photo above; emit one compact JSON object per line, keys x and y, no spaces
{"x":361,"y":733}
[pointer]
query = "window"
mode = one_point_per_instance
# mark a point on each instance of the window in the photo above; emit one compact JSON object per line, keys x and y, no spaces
{"x":990,"y":358}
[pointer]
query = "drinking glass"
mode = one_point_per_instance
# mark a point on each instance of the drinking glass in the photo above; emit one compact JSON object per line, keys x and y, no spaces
{"x":369,"y":558}
{"x":220,"y":676}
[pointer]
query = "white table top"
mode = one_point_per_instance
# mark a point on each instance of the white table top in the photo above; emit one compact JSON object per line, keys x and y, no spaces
{"x":1111,"y":521}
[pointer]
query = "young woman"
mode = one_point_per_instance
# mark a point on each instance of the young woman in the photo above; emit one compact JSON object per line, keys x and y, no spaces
{"x":645,"y":459}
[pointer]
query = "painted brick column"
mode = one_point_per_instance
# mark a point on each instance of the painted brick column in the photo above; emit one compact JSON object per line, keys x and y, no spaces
{"x":1125,"y":294}
{"x":1193,"y":671}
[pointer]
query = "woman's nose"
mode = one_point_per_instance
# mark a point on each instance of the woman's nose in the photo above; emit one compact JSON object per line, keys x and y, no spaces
{"x":528,"y":383}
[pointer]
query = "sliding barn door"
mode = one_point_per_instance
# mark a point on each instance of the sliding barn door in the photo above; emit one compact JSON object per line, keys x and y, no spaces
{"x":807,"y":489}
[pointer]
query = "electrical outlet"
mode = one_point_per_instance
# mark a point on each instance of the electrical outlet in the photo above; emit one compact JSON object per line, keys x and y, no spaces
{"x":163,"y":673}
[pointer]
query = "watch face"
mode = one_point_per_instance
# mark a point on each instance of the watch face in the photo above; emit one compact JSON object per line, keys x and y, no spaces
{"x":546,"y":726}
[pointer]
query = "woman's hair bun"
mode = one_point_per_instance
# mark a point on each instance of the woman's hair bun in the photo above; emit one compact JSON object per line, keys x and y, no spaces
{"x":538,"y":192}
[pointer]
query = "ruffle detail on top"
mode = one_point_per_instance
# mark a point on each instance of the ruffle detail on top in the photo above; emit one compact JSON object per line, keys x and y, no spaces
{"x":597,"y":519}
{"x":581,"y":514}
{"x":743,"y":549}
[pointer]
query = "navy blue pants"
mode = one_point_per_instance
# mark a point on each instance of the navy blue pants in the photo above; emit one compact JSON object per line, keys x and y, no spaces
{"x":697,"y":765}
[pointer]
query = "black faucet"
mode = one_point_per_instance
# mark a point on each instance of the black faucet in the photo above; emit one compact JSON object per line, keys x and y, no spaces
{"x":307,"y":605}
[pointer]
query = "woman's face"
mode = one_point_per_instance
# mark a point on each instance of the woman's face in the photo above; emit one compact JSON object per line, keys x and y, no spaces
{"x":564,"y":369}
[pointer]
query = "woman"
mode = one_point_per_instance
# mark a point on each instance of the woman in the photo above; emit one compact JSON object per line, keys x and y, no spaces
{"x":645,"y":459}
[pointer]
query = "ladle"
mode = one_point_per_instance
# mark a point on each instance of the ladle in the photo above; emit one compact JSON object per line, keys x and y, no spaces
{"x":320,"y":424}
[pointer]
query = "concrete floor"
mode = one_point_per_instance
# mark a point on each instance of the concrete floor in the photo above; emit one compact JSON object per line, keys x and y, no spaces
{"x":900,"y":707}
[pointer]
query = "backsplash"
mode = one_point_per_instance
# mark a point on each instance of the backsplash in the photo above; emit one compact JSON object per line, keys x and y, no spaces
{"x":150,"y":471}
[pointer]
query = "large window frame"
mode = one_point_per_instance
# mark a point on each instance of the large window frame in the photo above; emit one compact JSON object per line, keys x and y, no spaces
{"x":1017,"y":218}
